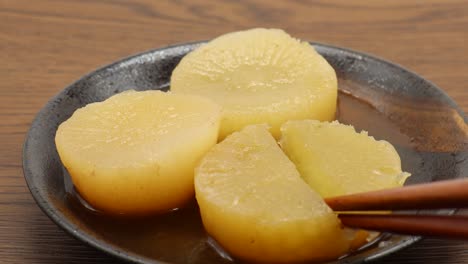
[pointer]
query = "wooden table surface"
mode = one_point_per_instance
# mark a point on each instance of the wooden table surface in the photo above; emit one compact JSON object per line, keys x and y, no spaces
{"x":46,"y":44}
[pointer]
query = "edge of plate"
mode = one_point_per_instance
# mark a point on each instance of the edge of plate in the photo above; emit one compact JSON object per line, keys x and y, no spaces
{"x":71,"y":229}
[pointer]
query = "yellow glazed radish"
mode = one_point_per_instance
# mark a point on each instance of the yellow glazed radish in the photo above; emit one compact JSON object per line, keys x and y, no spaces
{"x":255,"y":204}
{"x":336,"y":160}
{"x":135,"y":152}
{"x":259,"y":76}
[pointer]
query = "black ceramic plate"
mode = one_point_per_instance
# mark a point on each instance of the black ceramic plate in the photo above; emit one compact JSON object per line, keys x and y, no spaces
{"x":428,"y":130}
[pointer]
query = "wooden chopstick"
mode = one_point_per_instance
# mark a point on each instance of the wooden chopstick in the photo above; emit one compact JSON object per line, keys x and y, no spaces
{"x":421,"y":225}
{"x":442,"y":194}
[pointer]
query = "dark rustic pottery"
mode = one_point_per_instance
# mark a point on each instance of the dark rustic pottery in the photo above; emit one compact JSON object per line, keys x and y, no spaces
{"x":427,"y":128}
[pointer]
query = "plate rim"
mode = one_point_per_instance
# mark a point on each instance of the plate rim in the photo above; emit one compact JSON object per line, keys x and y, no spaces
{"x":86,"y":238}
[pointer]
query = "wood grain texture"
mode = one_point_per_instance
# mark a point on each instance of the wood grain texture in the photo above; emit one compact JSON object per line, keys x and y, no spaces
{"x":47,"y":44}
{"x":434,"y":195}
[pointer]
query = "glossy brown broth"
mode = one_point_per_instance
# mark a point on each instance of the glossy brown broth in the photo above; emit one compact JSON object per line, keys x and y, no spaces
{"x":179,"y":237}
